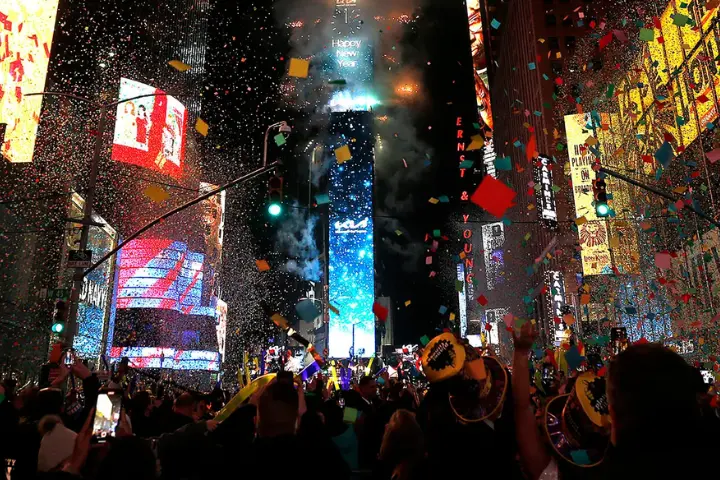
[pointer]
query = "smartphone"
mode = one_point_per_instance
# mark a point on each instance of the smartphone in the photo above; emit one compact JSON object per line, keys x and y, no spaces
{"x":618,"y":340}
{"x":107,"y":414}
{"x":68,"y":358}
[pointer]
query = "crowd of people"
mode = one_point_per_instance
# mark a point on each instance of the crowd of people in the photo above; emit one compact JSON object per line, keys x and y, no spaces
{"x":646,"y":413}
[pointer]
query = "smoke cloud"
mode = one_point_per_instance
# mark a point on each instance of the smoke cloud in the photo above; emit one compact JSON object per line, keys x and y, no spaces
{"x":400,"y":152}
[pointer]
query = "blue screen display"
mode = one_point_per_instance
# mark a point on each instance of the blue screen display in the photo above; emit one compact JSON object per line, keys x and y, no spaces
{"x":351,"y":257}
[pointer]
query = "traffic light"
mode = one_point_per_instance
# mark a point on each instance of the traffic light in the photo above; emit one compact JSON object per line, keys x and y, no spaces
{"x":602,"y":209}
{"x":275,"y":196}
{"x":59,"y":316}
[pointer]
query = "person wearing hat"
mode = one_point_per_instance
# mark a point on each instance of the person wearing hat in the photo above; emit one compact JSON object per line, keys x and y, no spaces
{"x":655,"y":424}
{"x":463,"y":412}
{"x":576,"y":425}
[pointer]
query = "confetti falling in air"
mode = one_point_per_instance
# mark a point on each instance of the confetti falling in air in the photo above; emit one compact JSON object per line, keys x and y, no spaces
{"x":617,"y":92}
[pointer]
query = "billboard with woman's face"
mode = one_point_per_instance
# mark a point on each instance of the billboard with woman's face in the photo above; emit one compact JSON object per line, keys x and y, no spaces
{"x":149,"y":131}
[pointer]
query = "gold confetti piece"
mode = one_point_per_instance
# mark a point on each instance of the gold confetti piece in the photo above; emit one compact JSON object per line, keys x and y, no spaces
{"x":156,"y":194}
{"x":477,"y":143}
{"x":333,"y":309}
{"x":179,"y":66}
{"x":343,"y":154}
{"x":580,"y":221}
{"x":452,"y":316}
{"x":262,"y":265}
{"x":201,"y":127}
{"x":299,"y":68}
{"x":408,"y":303}
{"x":434,"y":200}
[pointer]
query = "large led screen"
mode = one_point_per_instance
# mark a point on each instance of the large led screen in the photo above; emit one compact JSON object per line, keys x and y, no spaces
{"x":168,"y":358}
{"x":482,"y":83}
{"x":150,"y":131}
{"x":93,"y":312}
{"x":351,"y":259}
{"x":26,"y":33}
{"x":159,"y":273}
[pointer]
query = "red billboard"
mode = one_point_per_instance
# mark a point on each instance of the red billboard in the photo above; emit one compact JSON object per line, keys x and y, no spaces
{"x":150,"y":131}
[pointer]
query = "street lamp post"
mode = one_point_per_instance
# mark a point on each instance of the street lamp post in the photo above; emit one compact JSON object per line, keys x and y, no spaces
{"x":283,"y":127}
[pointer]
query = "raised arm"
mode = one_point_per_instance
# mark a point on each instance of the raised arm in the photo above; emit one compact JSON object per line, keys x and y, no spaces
{"x":533,"y":455}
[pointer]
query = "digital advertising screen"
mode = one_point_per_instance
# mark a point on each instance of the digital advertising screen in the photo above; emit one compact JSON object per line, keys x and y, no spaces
{"x":150,"y":131}
{"x":351,"y":245}
{"x":482,"y":82}
{"x":349,"y":58}
{"x":26,"y":34}
{"x":169,"y":358}
{"x":160,"y":273}
{"x":94,"y":312}
{"x":213,"y":218}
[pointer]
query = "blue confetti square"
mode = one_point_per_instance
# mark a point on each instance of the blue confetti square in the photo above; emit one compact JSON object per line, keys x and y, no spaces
{"x":495,"y":24}
{"x":443,"y":309}
{"x":580,"y":457}
{"x":307,"y":310}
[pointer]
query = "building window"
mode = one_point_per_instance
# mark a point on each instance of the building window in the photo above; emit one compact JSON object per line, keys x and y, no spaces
{"x":548,"y":2}
{"x":550,"y":20}
{"x":553,"y":43}
{"x":557,"y":68}
{"x":570,"y":43}
{"x":567,"y":22}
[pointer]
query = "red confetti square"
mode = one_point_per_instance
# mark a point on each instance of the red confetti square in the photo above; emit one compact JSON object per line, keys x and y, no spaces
{"x":380,"y":311}
{"x":482,"y":300}
{"x":493,"y":196}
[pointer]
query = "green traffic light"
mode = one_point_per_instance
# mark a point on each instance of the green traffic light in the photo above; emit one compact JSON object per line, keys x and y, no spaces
{"x":274,"y":209}
{"x":58,"y":328}
{"x":602,"y":209}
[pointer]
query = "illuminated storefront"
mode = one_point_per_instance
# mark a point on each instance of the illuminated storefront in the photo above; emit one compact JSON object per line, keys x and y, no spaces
{"x":26,"y":34}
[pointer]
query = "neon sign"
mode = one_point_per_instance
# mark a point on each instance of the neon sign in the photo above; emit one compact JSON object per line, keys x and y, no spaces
{"x":544,"y":195}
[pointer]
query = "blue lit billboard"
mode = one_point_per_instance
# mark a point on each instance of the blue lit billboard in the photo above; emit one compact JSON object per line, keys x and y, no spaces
{"x":351,"y":265}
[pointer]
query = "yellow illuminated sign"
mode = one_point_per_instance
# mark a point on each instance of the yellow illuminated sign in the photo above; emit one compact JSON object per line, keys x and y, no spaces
{"x":593,"y":233}
{"x":675,"y":85}
{"x":26,"y":32}
{"x":604,"y":242}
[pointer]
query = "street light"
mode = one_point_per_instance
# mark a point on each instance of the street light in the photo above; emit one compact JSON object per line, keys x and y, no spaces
{"x":283,"y":127}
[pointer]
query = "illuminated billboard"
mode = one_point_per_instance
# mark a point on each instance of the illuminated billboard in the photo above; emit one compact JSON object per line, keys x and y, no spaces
{"x":26,"y":34}
{"x":592,"y":232}
{"x":351,"y":258}
{"x":169,"y":358}
{"x":94,"y":312}
{"x":482,"y":84}
{"x":674,"y":86}
{"x":150,"y":131}
{"x":213,"y":218}
{"x":160,"y":273}
{"x":591,"y":136}
{"x":544,"y":194}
